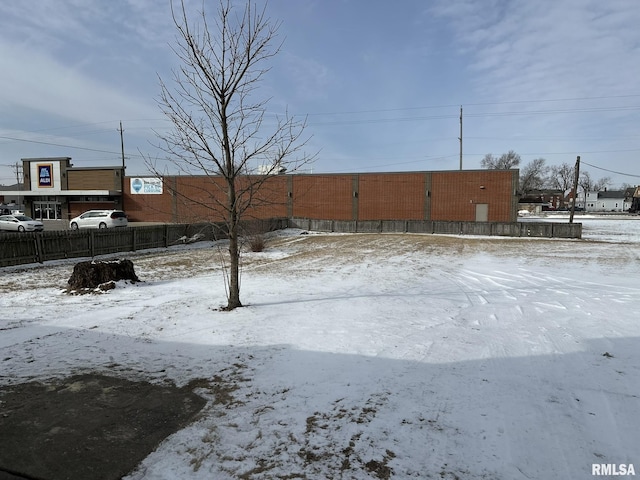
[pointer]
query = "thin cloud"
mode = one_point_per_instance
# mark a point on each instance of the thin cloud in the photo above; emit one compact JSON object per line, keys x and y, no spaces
{"x":43,"y":84}
{"x":549,"y":49}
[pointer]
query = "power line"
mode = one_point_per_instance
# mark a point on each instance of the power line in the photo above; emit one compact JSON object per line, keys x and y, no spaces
{"x":62,"y":145}
{"x":476,"y":104}
{"x":564,"y":110}
{"x":57,"y":144}
{"x":401,"y":119}
{"x":478,"y":115}
{"x":384,"y":120}
{"x":611,"y":171}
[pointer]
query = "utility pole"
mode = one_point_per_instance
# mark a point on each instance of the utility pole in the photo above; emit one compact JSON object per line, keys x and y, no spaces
{"x":123,"y":167}
{"x":575,"y":188}
{"x":460,"y":137}
{"x":18,"y":169}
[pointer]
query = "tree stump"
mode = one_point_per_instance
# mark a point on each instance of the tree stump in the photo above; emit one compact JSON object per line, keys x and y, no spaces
{"x":92,"y":276}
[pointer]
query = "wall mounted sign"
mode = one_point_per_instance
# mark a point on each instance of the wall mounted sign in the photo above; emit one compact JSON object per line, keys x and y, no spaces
{"x":148,"y":186}
{"x":45,"y":175}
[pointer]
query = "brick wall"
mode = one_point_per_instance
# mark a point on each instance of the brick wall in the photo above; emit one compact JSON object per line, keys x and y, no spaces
{"x":323,"y":196}
{"x":94,"y":179}
{"x":272,"y":199}
{"x":391,"y":196}
{"x":449,"y":195}
{"x":150,"y":208}
{"x":454,"y":195}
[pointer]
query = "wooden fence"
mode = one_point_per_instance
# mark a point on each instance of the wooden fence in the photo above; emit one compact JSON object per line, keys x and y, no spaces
{"x":39,"y":247}
{"x":23,"y":248}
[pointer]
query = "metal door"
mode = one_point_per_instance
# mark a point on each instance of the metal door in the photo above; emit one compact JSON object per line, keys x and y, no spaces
{"x":482,"y":212}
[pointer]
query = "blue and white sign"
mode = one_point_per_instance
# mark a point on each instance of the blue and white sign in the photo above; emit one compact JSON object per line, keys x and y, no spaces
{"x":146,"y":186}
{"x":45,"y":175}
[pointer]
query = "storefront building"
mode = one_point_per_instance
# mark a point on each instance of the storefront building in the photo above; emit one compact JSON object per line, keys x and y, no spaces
{"x":54,"y":189}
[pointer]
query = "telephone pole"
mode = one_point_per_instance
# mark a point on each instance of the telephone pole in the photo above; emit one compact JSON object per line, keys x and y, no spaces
{"x":18,"y":170}
{"x":460,"y":137}
{"x":575,"y":188}
{"x":123,"y":167}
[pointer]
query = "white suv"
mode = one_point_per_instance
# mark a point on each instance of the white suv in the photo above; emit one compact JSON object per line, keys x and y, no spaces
{"x":99,"y":219}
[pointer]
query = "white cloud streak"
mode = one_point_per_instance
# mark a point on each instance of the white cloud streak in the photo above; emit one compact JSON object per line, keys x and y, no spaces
{"x":548,"y":49}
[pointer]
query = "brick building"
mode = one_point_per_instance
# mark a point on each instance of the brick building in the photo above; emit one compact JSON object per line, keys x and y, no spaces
{"x":55,"y":189}
{"x":467,"y":195}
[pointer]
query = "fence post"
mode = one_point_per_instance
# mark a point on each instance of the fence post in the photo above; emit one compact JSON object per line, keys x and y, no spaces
{"x":38,"y":248}
{"x":92,"y":243}
{"x":133,"y":239}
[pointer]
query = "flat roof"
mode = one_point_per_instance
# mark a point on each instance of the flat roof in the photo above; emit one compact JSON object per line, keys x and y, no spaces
{"x":60,"y":193}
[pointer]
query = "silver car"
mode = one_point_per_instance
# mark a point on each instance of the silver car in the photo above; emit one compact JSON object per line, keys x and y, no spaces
{"x":20,"y":223}
{"x":99,"y":219}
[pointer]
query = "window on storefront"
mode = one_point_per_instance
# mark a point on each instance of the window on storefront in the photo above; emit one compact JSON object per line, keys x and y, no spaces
{"x":46,"y":210}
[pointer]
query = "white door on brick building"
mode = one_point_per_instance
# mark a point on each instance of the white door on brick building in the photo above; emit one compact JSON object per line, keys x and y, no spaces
{"x":482,"y":212}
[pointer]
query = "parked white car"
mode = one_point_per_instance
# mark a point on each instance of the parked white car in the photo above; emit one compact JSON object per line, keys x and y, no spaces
{"x":20,"y":223}
{"x":99,"y":219}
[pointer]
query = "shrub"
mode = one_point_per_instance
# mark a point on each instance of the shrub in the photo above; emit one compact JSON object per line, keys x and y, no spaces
{"x":256,"y":243}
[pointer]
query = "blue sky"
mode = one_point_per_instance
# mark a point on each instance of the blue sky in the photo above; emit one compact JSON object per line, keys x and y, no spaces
{"x":381,"y":82}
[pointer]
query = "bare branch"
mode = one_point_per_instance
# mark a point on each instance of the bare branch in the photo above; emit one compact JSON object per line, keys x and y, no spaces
{"x":218,"y":117}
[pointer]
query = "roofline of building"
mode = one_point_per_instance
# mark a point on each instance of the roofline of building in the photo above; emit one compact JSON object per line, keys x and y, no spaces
{"x":119,"y":167}
{"x":40,"y":159}
{"x":68,"y":193}
{"x":325,"y":174}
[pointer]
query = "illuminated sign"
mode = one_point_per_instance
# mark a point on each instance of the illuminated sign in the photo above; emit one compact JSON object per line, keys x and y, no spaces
{"x":148,"y":186}
{"x":45,"y":175}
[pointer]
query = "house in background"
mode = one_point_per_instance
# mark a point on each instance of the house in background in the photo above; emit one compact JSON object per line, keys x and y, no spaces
{"x":632,"y":198}
{"x":533,"y":203}
{"x":554,"y":199}
{"x":606,"y":201}
{"x":537,"y":201}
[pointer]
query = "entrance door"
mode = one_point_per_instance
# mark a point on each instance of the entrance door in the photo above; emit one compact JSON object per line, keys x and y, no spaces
{"x":47,"y":210}
{"x":482,"y":212}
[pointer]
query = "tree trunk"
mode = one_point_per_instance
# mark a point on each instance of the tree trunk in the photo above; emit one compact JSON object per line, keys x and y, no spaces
{"x":89,"y":276}
{"x":234,"y":274}
{"x":234,"y":251}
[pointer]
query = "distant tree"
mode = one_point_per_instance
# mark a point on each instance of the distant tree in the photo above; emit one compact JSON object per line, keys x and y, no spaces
{"x":218,"y":118}
{"x":561,"y":177}
{"x":506,"y":161}
{"x":602,"y":184}
{"x":533,"y":175}
{"x":587,"y":184}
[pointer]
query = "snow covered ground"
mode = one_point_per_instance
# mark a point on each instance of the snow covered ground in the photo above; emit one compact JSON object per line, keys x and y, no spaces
{"x":364,"y":356}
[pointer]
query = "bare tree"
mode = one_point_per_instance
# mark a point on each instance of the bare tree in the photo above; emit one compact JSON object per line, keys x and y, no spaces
{"x":506,"y":161}
{"x":586,"y":182}
{"x":533,"y":175}
{"x":589,"y":185}
{"x":219,"y":125}
{"x":602,"y":184}
{"x":561,"y":177}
